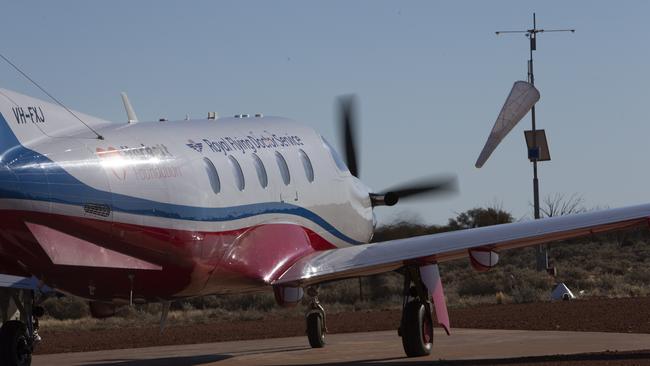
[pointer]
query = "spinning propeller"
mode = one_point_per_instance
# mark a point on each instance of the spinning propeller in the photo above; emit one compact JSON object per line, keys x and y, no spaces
{"x":409,"y":190}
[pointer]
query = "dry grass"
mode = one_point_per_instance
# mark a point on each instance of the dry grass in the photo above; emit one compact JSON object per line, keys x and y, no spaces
{"x":130,"y":317}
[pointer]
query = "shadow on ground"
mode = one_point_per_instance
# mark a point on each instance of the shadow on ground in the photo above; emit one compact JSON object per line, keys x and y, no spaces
{"x":607,"y":358}
{"x":191,"y":360}
{"x":167,"y":361}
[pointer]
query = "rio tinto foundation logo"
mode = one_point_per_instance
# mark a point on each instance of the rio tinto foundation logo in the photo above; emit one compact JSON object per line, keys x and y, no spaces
{"x":143,"y":162}
{"x":112,"y":159}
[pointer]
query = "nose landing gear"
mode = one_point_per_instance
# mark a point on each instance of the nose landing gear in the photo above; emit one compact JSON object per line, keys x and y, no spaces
{"x":315,"y":317}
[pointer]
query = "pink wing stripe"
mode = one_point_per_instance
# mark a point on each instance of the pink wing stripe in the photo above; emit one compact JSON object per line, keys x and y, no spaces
{"x":64,"y":249}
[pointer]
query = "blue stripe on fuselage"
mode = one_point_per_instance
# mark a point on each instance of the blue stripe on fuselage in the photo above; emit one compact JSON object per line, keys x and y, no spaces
{"x":27,"y":174}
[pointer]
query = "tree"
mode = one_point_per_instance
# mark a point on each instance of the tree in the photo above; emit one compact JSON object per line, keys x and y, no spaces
{"x":480,"y":216}
{"x":559,"y":204}
{"x":404,"y":229}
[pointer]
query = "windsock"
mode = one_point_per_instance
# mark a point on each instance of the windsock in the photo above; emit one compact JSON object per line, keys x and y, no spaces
{"x":522,"y":98}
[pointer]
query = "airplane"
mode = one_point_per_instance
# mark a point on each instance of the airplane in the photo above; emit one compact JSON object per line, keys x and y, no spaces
{"x":132,"y":212}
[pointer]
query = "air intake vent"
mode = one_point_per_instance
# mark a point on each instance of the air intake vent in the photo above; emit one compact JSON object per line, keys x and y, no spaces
{"x":97,"y":209}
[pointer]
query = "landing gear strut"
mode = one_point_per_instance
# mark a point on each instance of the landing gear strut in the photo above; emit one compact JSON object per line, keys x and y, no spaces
{"x":17,"y":337}
{"x":15,"y":344}
{"x":315,"y":317}
{"x":416,"y":326}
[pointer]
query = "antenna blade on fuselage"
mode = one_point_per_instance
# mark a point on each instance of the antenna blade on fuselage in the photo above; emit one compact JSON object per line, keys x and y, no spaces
{"x":130,"y":113}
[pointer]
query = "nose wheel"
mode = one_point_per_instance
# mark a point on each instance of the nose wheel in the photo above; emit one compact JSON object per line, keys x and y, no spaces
{"x":315,"y":317}
{"x":315,"y":332}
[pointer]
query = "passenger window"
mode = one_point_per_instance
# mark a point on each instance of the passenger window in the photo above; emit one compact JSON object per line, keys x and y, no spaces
{"x":284,"y":168}
{"x":261,"y":171}
{"x":337,"y":158}
{"x":237,"y":172}
{"x":213,"y":176}
{"x":306,"y":164}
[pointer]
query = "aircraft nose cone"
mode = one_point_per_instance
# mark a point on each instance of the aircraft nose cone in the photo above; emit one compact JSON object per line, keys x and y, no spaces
{"x":361,"y":193}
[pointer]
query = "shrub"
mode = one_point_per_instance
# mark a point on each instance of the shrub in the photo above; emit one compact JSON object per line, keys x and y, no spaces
{"x":639,"y":276}
{"x":344,"y":292}
{"x":608,"y":282}
{"x":527,"y":294}
{"x":500,"y":298}
{"x":477,"y":285}
{"x":68,"y":307}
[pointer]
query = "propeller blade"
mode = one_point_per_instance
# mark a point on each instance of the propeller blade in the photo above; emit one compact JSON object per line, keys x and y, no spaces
{"x":348,"y":125}
{"x":430,"y":186}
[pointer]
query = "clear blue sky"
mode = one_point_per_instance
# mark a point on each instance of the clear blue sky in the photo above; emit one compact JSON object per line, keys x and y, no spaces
{"x":431,"y":78}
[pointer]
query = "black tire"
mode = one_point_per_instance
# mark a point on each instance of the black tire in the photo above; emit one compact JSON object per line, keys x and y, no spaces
{"x":15,"y":348}
{"x":417,"y":330}
{"x":315,"y":332}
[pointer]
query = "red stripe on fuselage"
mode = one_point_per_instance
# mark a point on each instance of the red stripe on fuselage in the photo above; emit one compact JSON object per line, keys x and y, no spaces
{"x":193,"y":262}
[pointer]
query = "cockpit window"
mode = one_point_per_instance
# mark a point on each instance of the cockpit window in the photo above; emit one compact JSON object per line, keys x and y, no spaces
{"x":337,"y":158}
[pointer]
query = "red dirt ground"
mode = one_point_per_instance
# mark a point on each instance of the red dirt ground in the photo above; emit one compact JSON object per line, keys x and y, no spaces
{"x":605,"y":315}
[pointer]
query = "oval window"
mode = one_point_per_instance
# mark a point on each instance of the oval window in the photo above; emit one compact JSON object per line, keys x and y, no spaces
{"x":237,"y":172}
{"x":306,"y":164}
{"x":284,"y":168}
{"x":261,"y":171}
{"x":335,"y":156}
{"x":213,"y":176}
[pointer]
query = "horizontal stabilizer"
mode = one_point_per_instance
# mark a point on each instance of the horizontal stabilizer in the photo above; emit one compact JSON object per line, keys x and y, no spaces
{"x":522,"y":98}
{"x":23,"y":283}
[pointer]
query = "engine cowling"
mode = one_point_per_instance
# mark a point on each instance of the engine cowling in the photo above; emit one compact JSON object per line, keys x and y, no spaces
{"x":287,"y":296}
{"x":483,"y":259}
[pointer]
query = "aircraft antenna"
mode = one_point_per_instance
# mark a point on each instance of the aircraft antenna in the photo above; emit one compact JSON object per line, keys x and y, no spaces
{"x":534,"y":149}
{"x":99,"y":137}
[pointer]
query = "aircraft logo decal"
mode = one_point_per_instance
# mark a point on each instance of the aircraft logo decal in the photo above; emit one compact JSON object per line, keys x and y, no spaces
{"x":112,"y":154}
{"x":146,"y":162}
{"x":252,"y":143}
{"x":197,"y":146}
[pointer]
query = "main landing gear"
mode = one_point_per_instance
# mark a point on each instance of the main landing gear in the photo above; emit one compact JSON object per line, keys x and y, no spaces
{"x":18,"y":337}
{"x":315,"y":317}
{"x":416,"y":326}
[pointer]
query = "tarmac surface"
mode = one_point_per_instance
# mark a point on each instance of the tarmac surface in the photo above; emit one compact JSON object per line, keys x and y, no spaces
{"x":625,"y":315}
{"x":484,"y":347}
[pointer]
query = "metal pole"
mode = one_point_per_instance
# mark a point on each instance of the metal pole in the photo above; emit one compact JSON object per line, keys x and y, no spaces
{"x":541,"y":251}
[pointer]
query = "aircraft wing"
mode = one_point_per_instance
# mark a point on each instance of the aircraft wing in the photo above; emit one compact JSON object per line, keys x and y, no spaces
{"x":386,"y":256}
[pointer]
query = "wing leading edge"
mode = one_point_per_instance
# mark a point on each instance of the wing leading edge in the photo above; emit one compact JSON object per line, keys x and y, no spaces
{"x":386,"y":256}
